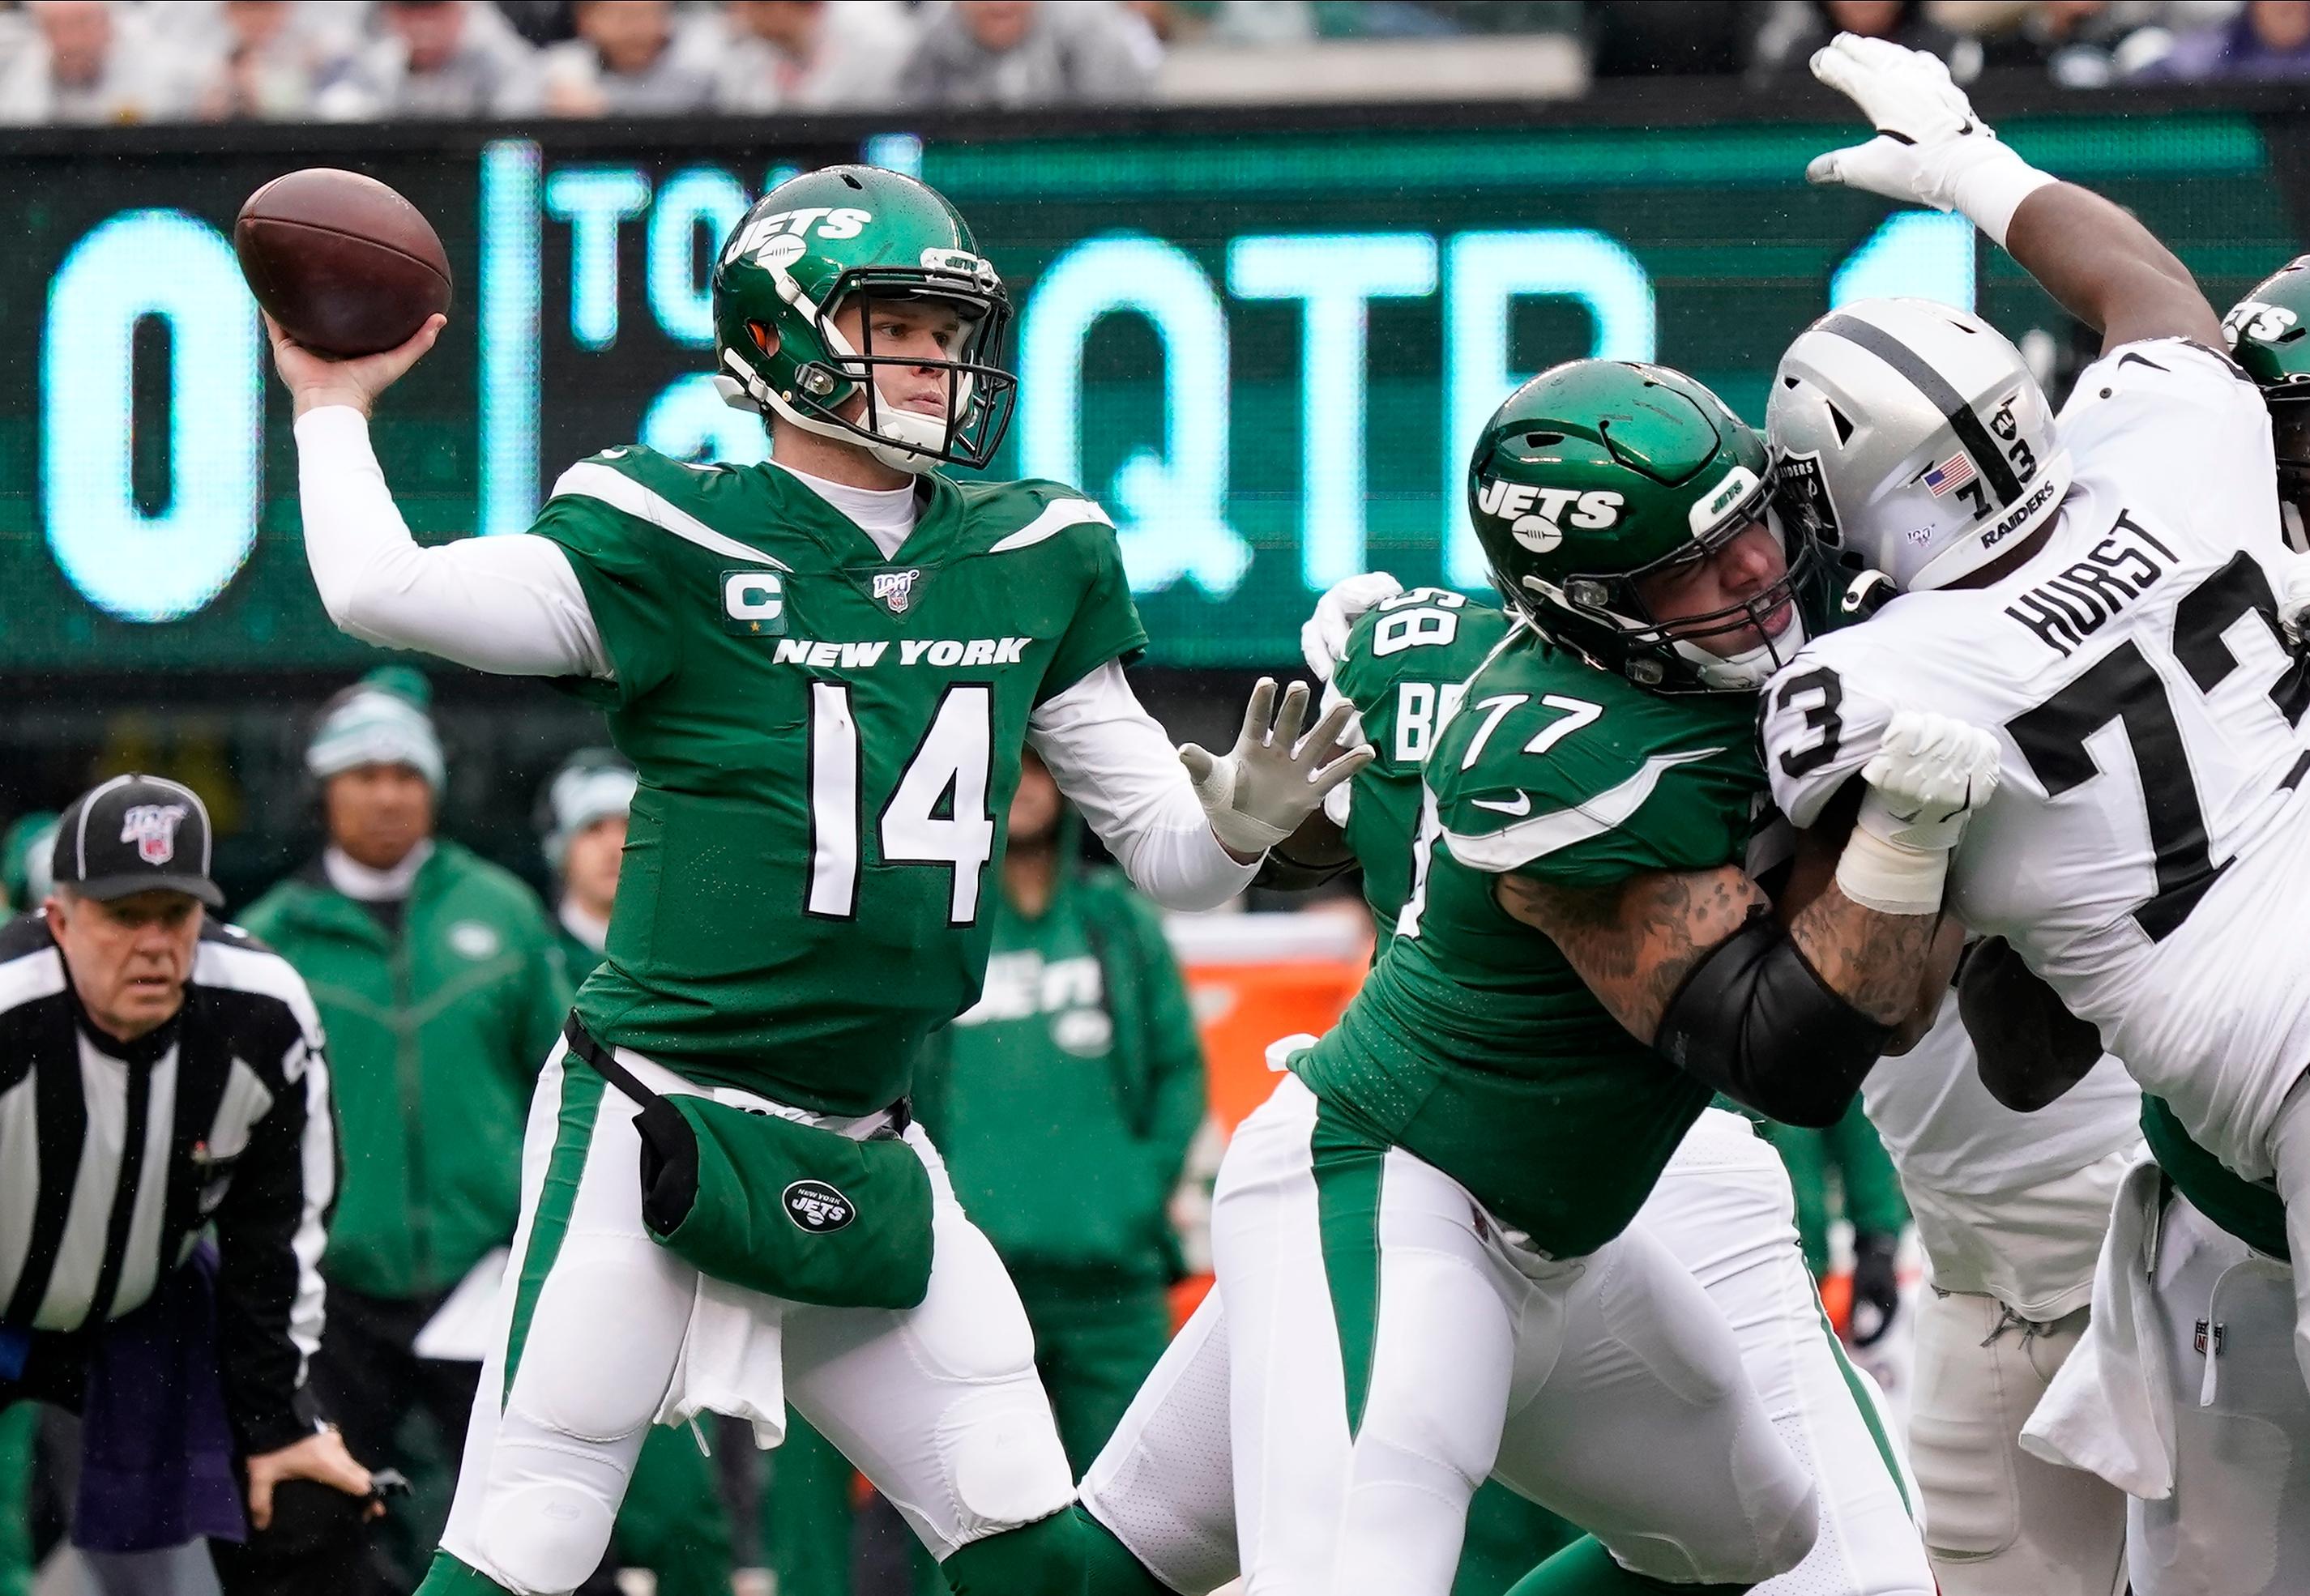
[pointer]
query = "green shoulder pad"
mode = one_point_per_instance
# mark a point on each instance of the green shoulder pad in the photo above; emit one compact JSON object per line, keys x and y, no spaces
{"x":1403,"y":668}
{"x":634,"y":524}
{"x":1556,"y":769}
{"x":1054,"y":534}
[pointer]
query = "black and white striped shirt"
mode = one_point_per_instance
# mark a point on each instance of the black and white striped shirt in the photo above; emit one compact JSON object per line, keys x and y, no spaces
{"x":115,"y":1157}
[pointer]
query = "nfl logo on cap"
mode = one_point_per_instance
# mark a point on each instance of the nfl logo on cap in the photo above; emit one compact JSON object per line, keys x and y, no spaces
{"x":136,"y":834}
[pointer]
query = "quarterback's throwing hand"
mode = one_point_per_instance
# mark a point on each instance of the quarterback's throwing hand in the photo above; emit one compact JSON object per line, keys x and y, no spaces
{"x":1926,"y":131}
{"x":315,"y":380}
{"x":1259,"y":792}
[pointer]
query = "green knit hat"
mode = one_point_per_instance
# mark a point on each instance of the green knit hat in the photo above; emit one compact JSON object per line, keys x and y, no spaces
{"x":592,"y":785}
{"x":383,"y":719}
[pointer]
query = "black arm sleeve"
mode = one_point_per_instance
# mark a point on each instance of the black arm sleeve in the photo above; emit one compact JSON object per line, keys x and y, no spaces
{"x":269,"y":1228}
{"x":1756,"y":1022}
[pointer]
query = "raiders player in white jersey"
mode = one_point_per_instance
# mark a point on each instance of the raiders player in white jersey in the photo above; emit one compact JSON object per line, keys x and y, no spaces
{"x":2099,"y":591}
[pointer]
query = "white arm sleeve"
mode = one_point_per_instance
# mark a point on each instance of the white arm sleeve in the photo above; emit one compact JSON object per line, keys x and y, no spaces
{"x":511,"y":605}
{"x":1118,"y":766}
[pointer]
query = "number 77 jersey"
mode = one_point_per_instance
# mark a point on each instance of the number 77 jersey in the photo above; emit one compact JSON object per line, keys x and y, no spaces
{"x":2148,"y":849}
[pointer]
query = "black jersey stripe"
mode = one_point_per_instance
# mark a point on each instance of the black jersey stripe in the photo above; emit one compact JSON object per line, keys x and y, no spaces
{"x":1986,"y":454}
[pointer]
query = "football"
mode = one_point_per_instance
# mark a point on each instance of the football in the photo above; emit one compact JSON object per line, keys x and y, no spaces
{"x":345,"y":265}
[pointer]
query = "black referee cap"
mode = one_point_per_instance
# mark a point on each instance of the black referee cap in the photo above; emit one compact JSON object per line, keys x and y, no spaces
{"x":136,"y":834}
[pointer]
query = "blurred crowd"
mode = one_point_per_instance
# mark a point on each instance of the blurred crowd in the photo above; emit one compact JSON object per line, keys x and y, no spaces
{"x":125,"y":61}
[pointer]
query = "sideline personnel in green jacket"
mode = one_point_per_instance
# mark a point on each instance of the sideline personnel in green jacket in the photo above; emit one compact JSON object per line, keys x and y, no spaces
{"x":1064,"y":1101}
{"x":672,"y":1521}
{"x":440,"y":983}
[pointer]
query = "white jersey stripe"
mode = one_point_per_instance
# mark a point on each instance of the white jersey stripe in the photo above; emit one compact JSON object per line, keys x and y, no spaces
{"x":141,"y":1262}
{"x":72,"y":1284}
{"x":1057,"y":516}
{"x":588,"y":480}
{"x":1526,"y":840}
{"x":19,"y":1156}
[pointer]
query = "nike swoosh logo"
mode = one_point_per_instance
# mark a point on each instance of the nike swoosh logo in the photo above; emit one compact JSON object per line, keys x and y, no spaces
{"x":1519,"y":809}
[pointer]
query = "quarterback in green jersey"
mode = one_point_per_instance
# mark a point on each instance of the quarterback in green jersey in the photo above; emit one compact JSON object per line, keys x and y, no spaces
{"x":823,"y":670}
{"x":1425,"y":1240}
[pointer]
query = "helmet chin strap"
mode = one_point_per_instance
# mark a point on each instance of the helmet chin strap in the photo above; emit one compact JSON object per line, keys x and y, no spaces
{"x":1751,"y":667}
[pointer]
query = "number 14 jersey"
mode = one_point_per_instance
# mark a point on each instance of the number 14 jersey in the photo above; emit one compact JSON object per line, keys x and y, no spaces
{"x":827,"y":740}
{"x":2148,"y":849}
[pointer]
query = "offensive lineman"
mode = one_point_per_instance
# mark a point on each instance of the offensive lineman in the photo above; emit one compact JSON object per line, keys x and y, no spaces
{"x":1723,"y":1206}
{"x":2102,"y":590}
{"x":824,"y":671}
{"x":1423,"y":1239}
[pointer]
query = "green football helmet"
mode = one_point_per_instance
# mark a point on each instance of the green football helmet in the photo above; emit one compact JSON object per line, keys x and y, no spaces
{"x":809,"y":247}
{"x":1597,"y":473}
{"x":2269,"y":336}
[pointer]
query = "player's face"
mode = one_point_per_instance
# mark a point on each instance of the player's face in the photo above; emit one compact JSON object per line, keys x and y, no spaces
{"x":1035,"y":806}
{"x":589,"y":870}
{"x":378,"y":812}
{"x":1746,"y":564}
{"x":130,"y":958}
{"x":908,"y":330}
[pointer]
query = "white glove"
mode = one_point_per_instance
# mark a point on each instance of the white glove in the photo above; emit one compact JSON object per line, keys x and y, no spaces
{"x":1930,"y":773}
{"x":1930,"y":148}
{"x":1260,"y":791}
{"x":1325,"y":635}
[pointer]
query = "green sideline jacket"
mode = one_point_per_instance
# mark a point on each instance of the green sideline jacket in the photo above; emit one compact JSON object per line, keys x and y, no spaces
{"x":435,"y":1039}
{"x":1065,"y":1098}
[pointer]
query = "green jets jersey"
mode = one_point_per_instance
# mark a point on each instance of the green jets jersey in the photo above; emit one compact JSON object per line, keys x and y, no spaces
{"x":1474,"y":1044}
{"x":1402,"y":669}
{"x":828,"y":742}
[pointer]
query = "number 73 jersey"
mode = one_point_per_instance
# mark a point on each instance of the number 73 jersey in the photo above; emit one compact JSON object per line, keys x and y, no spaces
{"x":827,"y":741}
{"x":2148,"y":849}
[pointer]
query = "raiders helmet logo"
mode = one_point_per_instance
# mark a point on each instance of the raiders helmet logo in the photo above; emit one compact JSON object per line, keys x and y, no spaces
{"x":152,"y":828}
{"x":818,"y":1208}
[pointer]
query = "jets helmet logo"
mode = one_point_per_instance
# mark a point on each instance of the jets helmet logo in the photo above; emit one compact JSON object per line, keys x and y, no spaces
{"x":152,"y":828}
{"x":818,"y":1208}
{"x":894,"y":590}
{"x":1536,"y":515}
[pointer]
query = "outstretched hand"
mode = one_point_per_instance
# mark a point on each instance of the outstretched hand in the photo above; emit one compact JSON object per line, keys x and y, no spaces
{"x":1259,"y":792}
{"x":315,"y":380}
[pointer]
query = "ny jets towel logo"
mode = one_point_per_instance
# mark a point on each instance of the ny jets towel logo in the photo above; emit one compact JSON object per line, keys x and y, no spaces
{"x":894,"y":590}
{"x":817,"y":1207}
{"x":152,"y":828}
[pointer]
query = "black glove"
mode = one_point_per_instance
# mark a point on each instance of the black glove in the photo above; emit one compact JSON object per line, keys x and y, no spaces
{"x":1876,"y":1287}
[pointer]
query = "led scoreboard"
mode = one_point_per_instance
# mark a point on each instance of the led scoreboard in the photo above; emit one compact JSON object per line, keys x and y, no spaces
{"x":1264,"y":349}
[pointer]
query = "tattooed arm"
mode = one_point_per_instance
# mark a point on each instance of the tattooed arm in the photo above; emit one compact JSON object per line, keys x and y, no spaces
{"x":1788,"y":1021}
{"x":1636,"y":942}
{"x":1812,"y":881}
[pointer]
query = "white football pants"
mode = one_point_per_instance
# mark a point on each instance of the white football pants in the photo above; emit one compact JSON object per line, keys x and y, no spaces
{"x":940,"y":1405}
{"x":1572,"y":1382}
{"x":1999,"y":1521}
{"x":2238,"y":1522}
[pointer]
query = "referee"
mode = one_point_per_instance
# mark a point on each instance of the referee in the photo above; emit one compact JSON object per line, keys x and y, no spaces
{"x":161,"y":1080}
